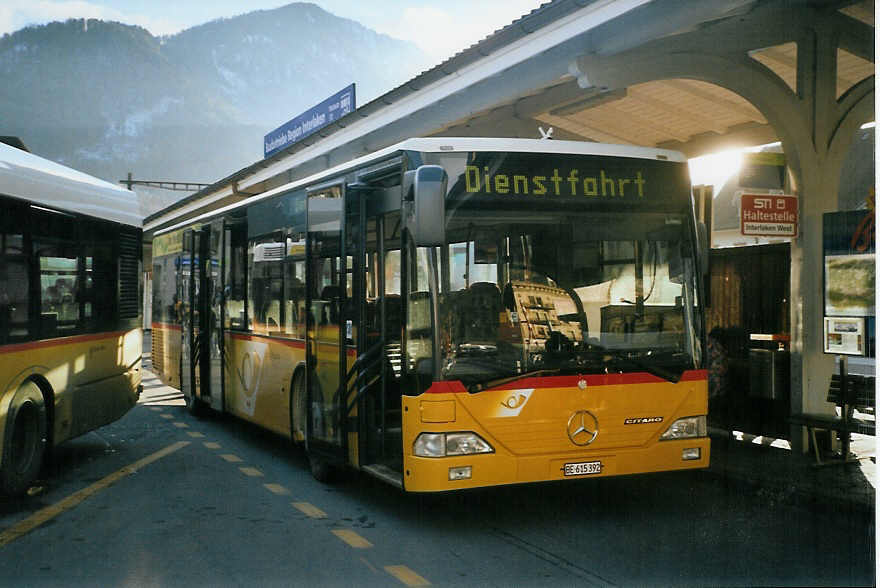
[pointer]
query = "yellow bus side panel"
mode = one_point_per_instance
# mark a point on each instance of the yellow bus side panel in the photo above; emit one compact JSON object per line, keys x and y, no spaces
{"x":259,"y":371}
{"x":94,"y":378}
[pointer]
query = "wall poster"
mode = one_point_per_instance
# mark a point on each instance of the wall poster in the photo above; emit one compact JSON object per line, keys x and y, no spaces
{"x":850,"y":282}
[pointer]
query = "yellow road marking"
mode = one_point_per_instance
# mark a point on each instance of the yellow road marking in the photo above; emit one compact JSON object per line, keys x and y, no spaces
{"x":180,"y":425}
{"x":351,"y":538}
{"x":310,"y":510}
{"x":195,"y":435}
{"x":277,"y":489}
{"x":156,"y":408}
{"x":369,"y":565}
{"x":231,"y":458}
{"x":407,"y":576}
{"x":50,"y":512}
{"x":212,"y":445}
{"x":167,"y":416}
{"x":252,"y":472}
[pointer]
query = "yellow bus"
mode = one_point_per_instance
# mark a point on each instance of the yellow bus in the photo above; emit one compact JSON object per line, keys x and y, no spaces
{"x":452,"y":313}
{"x":70,"y":311}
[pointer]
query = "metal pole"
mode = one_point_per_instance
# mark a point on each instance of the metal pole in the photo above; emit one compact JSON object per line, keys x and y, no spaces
{"x":845,"y":406}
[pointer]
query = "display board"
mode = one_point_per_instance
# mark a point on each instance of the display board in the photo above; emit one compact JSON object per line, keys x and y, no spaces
{"x":849,"y":282}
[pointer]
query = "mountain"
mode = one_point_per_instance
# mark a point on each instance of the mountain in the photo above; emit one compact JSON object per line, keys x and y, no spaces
{"x":109,"y":98}
{"x":295,"y":55}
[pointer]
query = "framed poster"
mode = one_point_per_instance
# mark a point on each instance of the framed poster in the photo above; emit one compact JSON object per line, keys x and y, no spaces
{"x":849,"y":281}
{"x":849,"y":285}
{"x":844,"y":335}
{"x":848,"y":251}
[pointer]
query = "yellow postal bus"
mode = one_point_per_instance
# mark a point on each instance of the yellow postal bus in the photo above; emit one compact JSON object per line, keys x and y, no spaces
{"x":70,"y":336}
{"x":452,"y":313}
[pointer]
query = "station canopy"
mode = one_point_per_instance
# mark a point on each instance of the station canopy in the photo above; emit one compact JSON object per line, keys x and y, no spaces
{"x":595,"y":71}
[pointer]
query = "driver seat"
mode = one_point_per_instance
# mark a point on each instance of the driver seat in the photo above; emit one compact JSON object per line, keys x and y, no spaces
{"x":482,"y":309}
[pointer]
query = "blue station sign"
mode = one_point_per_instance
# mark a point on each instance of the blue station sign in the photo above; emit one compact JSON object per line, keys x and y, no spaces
{"x":307,"y":123}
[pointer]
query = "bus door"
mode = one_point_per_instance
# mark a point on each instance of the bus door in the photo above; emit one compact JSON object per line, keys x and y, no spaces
{"x":326,"y":350}
{"x":380,"y":360}
{"x":212,"y":316}
{"x":201,"y":354}
{"x":190,"y":307}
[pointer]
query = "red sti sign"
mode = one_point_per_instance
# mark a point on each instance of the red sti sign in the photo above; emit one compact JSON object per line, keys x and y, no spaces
{"x":769,"y":215}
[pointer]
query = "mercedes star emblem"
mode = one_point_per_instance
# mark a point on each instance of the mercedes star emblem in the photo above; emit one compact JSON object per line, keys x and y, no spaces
{"x":583,"y":427}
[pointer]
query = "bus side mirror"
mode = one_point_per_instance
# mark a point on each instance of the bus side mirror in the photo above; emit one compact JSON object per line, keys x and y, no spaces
{"x":703,"y":244}
{"x":427,"y":223}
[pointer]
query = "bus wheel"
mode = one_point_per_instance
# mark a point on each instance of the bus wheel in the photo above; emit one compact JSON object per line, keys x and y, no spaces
{"x":298,"y":406}
{"x":25,"y":444}
{"x":321,"y":470}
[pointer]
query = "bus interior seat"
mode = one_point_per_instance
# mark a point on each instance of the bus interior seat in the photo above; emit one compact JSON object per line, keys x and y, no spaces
{"x":330,"y":292}
{"x":508,"y":298}
{"x":481,"y":312}
{"x":330,"y":310}
{"x":272,"y":315}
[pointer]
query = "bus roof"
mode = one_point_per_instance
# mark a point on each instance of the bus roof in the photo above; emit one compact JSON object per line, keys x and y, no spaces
{"x":453,"y":145}
{"x":40,"y":181}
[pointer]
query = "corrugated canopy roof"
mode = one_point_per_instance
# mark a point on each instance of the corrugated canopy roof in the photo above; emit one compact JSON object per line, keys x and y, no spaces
{"x":689,"y":115}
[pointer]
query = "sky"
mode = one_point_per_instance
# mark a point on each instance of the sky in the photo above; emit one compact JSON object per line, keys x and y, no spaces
{"x":440,"y":27}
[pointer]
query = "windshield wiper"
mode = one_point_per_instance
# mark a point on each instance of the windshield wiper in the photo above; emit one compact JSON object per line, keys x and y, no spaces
{"x":649,"y":366}
{"x":610,"y":355}
{"x":508,"y":379}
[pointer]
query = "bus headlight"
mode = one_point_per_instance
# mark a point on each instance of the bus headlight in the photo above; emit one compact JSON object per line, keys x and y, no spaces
{"x":686,"y":428}
{"x":447,"y":444}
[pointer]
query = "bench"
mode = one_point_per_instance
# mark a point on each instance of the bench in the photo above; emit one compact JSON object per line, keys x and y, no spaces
{"x":859,"y":395}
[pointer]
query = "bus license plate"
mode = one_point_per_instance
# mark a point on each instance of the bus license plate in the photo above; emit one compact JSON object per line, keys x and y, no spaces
{"x":583,"y":468}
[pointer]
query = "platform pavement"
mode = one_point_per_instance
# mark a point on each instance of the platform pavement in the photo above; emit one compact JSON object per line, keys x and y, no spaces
{"x":780,"y":474}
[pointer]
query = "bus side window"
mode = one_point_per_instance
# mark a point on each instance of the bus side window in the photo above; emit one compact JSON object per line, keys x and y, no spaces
{"x":96,"y":286}
{"x":13,"y":289}
{"x":265,"y":289}
{"x":59,"y":312}
{"x":294,"y":300}
{"x":235,"y":282}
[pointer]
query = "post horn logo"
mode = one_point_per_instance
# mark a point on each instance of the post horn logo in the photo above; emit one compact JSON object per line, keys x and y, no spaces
{"x":249,"y":372}
{"x":515,"y":401}
{"x":583,"y":427}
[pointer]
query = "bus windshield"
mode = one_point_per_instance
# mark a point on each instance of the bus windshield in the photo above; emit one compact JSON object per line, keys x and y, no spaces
{"x":567,"y":293}
{"x":568,"y":287}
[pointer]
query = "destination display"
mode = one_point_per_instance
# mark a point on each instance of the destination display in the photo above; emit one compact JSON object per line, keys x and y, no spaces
{"x":536,"y":179}
{"x":604,"y":185}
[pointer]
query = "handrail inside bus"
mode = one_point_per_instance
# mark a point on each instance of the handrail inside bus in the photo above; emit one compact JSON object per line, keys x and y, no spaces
{"x":359,"y":362}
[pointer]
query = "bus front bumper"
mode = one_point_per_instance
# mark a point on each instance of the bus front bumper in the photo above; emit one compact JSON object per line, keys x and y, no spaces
{"x":440,"y":474}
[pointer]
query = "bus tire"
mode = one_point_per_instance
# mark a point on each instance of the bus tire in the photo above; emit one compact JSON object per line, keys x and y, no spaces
{"x":24,"y":447}
{"x":322,"y":471}
{"x":298,"y":405}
